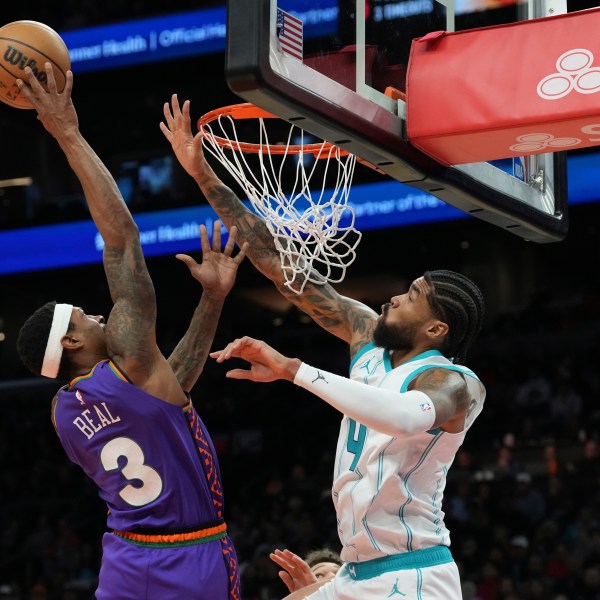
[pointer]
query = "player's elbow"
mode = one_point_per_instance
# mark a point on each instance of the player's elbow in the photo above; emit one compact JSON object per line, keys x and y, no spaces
{"x":125,"y":235}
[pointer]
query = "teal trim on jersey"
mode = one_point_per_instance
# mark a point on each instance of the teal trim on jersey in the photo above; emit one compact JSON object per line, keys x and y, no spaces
{"x":426,"y":354}
{"x":435,"y":431}
{"x":387,"y":358}
{"x":366,"y":348}
{"x":411,"y":376}
{"x":419,"y":559}
{"x":410,"y":496}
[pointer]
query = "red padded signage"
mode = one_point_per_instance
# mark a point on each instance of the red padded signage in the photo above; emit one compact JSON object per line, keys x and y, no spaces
{"x":508,"y":90}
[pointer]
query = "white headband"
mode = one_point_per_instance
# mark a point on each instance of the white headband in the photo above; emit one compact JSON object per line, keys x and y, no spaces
{"x":54,"y":348}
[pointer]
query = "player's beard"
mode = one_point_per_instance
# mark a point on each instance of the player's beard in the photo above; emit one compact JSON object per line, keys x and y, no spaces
{"x":394,"y":337}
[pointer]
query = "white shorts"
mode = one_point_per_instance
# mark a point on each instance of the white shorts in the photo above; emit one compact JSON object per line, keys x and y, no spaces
{"x":413,"y":576}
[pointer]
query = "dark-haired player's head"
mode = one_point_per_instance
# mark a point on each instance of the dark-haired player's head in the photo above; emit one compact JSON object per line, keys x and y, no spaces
{"x":442,"y":310}
{"x":324,"y":563}
{"x":58,"y":341}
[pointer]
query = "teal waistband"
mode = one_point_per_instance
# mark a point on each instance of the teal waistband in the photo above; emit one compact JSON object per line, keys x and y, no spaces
{"x":419,"y":559}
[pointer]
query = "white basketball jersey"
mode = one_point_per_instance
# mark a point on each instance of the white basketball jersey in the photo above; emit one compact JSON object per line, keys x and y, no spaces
{"x":387,"y":490}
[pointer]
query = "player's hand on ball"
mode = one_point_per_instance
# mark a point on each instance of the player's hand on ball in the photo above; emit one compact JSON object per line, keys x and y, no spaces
{"x":55,"y":109}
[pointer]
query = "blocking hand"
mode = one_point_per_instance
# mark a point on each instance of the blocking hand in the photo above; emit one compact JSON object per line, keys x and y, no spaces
{"x":217,"y":271}
{"x":177,"y":128}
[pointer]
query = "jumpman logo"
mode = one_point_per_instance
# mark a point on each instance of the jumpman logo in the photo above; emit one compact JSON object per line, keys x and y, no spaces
{"x":319,"y":376}
{"x":370,"y":369}
{"x":395,"y":591}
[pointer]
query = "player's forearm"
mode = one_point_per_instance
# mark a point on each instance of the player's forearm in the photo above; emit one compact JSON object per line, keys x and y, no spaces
{"x":104,"y":200}
{"x":251,"y":228}
{"x":190,"y":354}
{"x":388,"y":412}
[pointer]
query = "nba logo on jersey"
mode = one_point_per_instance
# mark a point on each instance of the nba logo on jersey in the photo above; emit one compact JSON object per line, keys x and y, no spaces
{"x":79,"y":397}
{"x":425,"y":406}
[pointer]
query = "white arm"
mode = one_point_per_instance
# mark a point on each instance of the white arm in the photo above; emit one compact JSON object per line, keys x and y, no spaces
{"x":382,"y":410}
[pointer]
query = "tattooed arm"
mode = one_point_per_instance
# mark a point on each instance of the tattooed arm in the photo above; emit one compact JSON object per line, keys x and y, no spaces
{"x":450,"y":395}
{"x":216,"y":274}
{"x":130,"y":330}
{"x":343,"y":317}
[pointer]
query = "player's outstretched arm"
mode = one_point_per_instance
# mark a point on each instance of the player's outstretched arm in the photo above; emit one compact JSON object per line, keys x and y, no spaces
{"x":187,"y":148}
{"x":347,"y":319}
{"x":130,"y":328}
{"x":216,"y":274}
{"x":58,"y":115}
{"x":386,"y":411}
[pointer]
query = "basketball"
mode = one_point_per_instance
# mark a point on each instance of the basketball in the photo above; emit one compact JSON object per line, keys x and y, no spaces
{"x":29,"y":44}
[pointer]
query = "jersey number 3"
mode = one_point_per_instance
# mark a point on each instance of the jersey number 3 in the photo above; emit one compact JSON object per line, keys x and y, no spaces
{"x":134,"y":469}
{"x":355,"y":443}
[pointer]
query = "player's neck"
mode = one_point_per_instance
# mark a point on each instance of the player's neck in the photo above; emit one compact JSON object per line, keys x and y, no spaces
{"x":399,"y":357}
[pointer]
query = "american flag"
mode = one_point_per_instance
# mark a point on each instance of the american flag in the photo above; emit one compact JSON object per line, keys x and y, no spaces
{"x":289,"y":32}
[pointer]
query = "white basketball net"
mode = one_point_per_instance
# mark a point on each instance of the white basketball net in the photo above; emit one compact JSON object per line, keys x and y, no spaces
{"x":306,"y":224}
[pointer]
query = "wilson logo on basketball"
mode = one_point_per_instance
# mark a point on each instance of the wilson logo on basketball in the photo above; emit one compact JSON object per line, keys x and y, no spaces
{"x":574,"y":72}
{"x":15,"y":57}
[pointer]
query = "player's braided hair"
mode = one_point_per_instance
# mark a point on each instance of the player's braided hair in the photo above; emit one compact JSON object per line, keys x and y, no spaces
{"x":458,"y":302}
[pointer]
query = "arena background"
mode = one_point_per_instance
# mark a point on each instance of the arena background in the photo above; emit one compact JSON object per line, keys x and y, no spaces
{"x":522,"y":498}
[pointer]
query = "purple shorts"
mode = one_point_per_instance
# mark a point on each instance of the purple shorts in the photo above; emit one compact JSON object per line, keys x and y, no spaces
{"x":132,"y":572}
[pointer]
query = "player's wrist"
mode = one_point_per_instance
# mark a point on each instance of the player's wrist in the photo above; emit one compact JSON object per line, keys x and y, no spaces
{"x":203,"y":174}
{"x":291,"y":368}
{"x":214,"y":296}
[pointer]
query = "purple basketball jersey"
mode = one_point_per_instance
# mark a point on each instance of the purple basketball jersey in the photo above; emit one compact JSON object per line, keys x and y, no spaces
{"x":139,"y":450}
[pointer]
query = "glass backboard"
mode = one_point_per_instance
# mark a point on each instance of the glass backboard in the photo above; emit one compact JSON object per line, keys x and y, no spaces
{"x":337,"y":69}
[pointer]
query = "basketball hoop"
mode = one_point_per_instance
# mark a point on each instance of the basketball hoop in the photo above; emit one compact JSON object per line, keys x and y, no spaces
{"x":313,"y":230}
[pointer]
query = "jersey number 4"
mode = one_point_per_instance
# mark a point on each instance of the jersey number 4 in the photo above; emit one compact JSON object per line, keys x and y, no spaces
{"x":355,"y":442}
{"x":134,"y":468}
